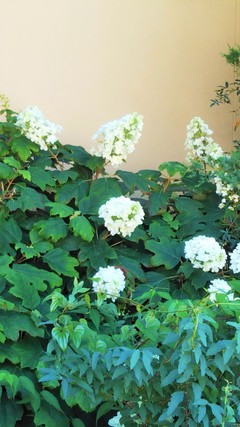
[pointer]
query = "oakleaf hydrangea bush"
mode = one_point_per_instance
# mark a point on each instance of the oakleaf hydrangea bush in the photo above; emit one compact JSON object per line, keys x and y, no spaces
{"x":119,"y":294}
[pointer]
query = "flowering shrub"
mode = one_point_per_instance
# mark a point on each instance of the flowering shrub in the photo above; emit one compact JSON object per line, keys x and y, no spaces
{"x":118,"y":294}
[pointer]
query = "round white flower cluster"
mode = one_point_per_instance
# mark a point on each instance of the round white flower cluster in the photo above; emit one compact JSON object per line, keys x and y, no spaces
{"x":199,"y":145}
{"x":121,"y":215}
{"x":116,"y":139}
{"x":235,"y":259}
{"x":219,"y":286}
{"x":37,"y":128}
{"x":109,"y":281}
{"x":115,"y":421}
{"x":205,"y":253}
{"x":227,"y":193}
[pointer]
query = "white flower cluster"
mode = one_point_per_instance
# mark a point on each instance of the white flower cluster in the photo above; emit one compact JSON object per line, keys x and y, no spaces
{"x":227,"y":193}
{"x":115,"y":421}
{"x":116,"y":139}
{"x":219,"y":286}
{"x":199,"y":145}
{"x":205,"y":253}
{"x":121,"y":215}
{"x":235,"y":259}
{"x":37,"y":128}
{"x":109,"y":281}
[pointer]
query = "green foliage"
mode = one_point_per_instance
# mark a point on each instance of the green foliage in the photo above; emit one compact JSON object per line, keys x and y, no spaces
{"x":163,"y":353}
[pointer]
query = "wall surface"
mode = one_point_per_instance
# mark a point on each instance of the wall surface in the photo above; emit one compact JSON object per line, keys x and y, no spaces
{"x":86,"y":62}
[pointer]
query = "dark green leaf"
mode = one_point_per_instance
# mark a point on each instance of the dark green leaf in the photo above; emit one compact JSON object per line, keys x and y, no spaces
{"x":59,"y":261}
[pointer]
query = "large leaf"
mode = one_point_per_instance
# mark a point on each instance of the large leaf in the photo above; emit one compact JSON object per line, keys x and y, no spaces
{"x":6,"y":172}
{"x":49,"y":416}
{"x":23,"y":147}
{"x":167,"y":252}
{"x":28,"y":199}
{"x":72,"y":190}
{"x":40,"y":177}
{"x":28,"y":350}
{"x":28,"y":280}
{"x":60,"y":209}
{"x":133,"y":181}
{"x":59,"y":261}
{"x":101,"y":191}
{"x":82,"y":227}
{"x":13,"y":323}
{"x":53,"y":229}
{"x":10,"y":412}
{"x":10,"y":233}
{"x":97,"y":253}
{"x":157,"y":200}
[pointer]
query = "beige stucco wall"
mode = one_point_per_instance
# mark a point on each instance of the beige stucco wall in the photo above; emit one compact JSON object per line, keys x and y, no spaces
{"x":85,"y":62}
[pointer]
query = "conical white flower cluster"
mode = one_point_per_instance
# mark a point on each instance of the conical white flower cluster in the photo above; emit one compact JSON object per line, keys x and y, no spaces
{"x":116,"y":139}
{"x":37,"y":128}
{"x":199,"y":145}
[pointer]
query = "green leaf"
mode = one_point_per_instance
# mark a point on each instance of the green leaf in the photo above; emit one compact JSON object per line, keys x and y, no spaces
{"x":5,"y":261}
{"x":82,"y":227}
{"x":13,"y":323}
{"x":173,"y":168}
{"x":61,"y":335}
{"x":28,"y":392}
{"x":23,"y":147}
{"x":217,"y":411}
{"x":41,"y":177}
{"x":10,"y":412}
{"x":12,"y":162}
{"x":157,"y":200}
{"x":61,"y":262}
{"x":176,"y":398}
{"x":167,"y":252}
{"x":134,"y":358}
{"x":6,"y":172}
{"x":10,"y":233}
{"x":27,"y":280}
{"x":159,"y":229}
{"x":51,"y":399}
{"x":29,"y":199}
{"x":147,"y":357}
{"x":97,"y":253}
{"x":170,"y":378}
{"x":104,"y":409}
{"x":76,"y":422}
{"x":60,"y":209}
{"x":25,"y":174}
{"x":133,"y":181}
{"x":28,"y":251}
{"x":53,"y":228}
{"x":49,"y":416}
{"x":28,"y":350}
{"x":101,"y":190}
{"x":77,"y":335}
{"x":74,"y":190}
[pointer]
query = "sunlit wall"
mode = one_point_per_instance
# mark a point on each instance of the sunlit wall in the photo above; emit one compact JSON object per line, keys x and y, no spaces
{"x":85,"y":62}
